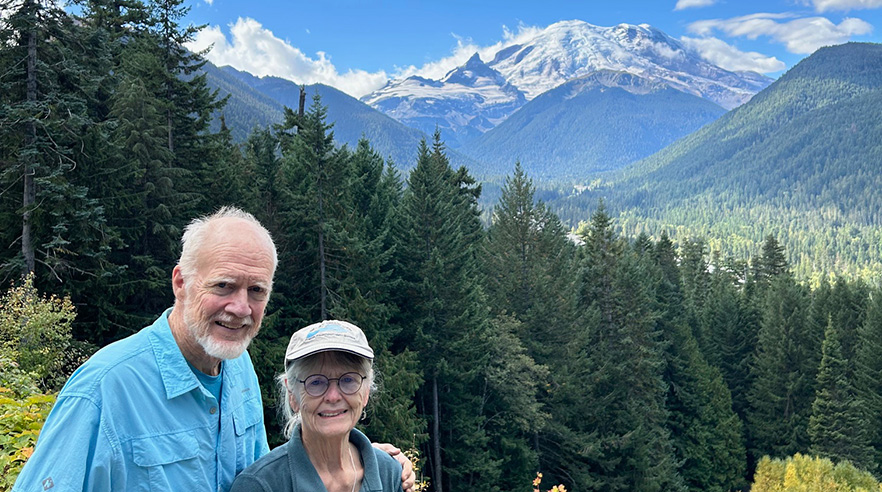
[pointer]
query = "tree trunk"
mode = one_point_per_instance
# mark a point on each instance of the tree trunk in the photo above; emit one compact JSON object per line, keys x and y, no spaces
{"x":436,"y":437}
{"x":29,"y":198}
{"x":323,"y":281}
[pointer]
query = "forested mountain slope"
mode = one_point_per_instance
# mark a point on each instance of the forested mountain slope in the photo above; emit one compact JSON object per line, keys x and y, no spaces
{"x":259,"y":101}
{"x":801,"y":160}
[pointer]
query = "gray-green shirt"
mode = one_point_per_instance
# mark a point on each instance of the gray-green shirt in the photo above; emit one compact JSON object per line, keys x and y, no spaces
{"x":287,"y":468}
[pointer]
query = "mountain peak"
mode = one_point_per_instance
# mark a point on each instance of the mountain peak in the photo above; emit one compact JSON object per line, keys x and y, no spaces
{"x":474,"y":60}
{"x":477,"y":95}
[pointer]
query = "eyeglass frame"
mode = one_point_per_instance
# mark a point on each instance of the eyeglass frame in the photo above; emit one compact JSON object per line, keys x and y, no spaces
{"x":339,"y":388}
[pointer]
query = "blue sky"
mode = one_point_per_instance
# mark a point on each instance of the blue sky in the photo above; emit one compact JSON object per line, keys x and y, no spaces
{"x":357,"y":46}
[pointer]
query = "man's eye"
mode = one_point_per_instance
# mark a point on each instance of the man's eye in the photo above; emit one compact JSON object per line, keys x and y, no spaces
{"x":257,"y":289}
{"x":222,"y":285}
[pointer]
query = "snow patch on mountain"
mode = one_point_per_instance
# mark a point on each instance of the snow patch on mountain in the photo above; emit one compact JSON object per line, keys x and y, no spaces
{"x":477,"y":96}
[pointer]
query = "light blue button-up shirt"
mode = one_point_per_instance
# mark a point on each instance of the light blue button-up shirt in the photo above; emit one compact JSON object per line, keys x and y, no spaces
{"x":134,"y":417}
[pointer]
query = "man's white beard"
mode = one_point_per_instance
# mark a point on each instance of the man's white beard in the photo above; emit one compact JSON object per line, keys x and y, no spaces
{"x":214,"y":347}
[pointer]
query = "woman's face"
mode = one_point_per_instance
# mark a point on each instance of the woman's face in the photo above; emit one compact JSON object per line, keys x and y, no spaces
{"x":334,"y":413}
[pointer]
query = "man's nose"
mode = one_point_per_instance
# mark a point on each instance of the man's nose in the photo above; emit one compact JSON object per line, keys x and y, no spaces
{"x":238,"y":305}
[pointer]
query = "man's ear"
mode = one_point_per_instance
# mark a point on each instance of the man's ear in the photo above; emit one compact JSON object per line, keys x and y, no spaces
{"x":178,"y":284}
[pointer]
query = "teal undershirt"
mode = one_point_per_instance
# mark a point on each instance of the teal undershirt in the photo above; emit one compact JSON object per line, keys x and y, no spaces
{"x":212,"y":383}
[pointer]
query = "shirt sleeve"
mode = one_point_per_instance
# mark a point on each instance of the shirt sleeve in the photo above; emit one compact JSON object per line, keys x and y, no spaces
{"x":73,"y":453}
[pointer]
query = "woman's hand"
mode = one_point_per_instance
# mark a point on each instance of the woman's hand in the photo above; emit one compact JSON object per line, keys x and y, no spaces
{"x":407,"y":478}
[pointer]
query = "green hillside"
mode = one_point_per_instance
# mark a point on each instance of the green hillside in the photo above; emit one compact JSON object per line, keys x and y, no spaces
{"x":260,"y":101}
{"x":801,"y":161}
{"x":596,"y":123}
{"x":246,"y":108}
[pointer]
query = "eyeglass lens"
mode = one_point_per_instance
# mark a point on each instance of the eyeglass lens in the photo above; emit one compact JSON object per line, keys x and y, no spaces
{"x":318,"y":384}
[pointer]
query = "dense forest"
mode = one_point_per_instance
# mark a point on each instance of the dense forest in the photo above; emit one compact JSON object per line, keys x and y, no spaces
{"x":604,"y":362}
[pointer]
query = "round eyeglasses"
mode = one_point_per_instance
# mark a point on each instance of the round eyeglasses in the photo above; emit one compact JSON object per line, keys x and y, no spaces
{"x":318,"y":384}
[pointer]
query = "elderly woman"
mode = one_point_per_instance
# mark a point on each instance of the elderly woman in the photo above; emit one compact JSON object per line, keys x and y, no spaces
{"x":325,"y":387}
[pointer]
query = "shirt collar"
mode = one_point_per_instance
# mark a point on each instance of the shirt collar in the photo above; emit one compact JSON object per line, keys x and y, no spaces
{"x":176,"y":374}
{"x":303,"y":472}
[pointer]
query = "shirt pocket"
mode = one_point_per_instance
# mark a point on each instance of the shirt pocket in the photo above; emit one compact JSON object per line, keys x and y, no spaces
{"x":247,"y":423}
{"x":171,"y":461}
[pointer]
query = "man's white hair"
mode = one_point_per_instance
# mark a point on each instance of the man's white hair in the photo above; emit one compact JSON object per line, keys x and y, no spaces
{"x":197,"y":230}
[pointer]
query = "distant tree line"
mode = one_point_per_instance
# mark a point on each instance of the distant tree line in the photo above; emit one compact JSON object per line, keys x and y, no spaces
{"x":605,"y":363}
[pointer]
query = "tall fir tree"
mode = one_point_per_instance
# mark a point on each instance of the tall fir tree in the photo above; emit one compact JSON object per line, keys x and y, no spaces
{"x":783,"y":383}
{"x":868,"y":374}
{"x":731,"y":325}
{"x":706,"y":432}
{"x":838,"y":423}
{"x":442,"y":304}
{"x":620,"y":369}
{"x":55,"y":227}
{"x":529,"y":263}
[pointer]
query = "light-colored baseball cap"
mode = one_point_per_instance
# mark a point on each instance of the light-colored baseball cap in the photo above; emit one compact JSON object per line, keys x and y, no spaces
{"x":327,"y":336}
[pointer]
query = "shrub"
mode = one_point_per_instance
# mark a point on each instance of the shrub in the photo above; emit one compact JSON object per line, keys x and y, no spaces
{"x":36,"y":356}
{"x":801,"y":473}
{"x":35,"y":332}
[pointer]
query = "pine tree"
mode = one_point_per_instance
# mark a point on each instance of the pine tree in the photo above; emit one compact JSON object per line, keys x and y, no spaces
{"x":316,"y":224}
{"x":730,"y":325}
{"x":442,"y":304}
{"x":620,"y":368}
{"x":58,"y":229}
{"x":771,"y":263}
{"x":783,"y":384}
{"x":528,"y":265}
{"x":837,"y":426}
{"x":868,"y":377}
{"x":706,"y":433}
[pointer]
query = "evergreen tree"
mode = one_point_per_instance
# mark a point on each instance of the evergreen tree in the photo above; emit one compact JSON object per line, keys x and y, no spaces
{"x":529,"y":268}
{"x":187,"y":104}
{"x":730,"y":325}
{"x":706,"y":433}
{"x":620,"y":370}
{"x":771,"y":263}
{"x":868,"y":378}
{"x":57,"y":229}
{"x":837,"y":426}
{"x":528,"y":264}
{"x":316,"y":224}
{"x":783,"y":384}
{"x":696,"y":288}
{"x":443,"y":305}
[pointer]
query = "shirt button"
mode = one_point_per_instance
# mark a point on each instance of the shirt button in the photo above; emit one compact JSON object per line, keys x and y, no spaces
{"x":212,"y":410}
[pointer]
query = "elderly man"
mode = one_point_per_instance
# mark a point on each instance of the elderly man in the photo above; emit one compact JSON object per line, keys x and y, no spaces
{"x":177,"y":405}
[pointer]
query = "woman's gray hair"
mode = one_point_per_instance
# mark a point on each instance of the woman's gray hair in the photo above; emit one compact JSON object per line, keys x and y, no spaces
{"x":299,"y":369}
{"x":197,"y":230}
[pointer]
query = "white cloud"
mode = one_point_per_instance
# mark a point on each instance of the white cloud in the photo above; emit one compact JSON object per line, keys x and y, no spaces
{"x":729,"y":57}
{"x":689,"y":4}
{"x":257,"y":50}
{"x":828,"y":5}
{"x":799,"y":35}
{"x":209,"y":2}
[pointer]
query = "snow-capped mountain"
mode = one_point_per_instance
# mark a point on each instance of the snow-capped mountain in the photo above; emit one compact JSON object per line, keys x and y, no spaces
{"x":468,"y":101}
{"x":571,"y":49}
{"x":475,"y":97}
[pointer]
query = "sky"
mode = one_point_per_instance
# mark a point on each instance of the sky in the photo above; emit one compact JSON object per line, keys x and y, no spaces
{"x":359,"y":45}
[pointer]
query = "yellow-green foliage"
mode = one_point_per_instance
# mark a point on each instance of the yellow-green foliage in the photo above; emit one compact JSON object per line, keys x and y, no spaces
{"x":421,"y":484}
{"x":23,"y":409}
{"x":35,"y":331}
{"x":34,"y":345}
{"x":811,"y":474}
